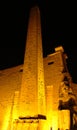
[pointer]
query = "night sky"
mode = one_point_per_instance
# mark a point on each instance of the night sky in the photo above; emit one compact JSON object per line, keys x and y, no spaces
{"x":59,"y":27}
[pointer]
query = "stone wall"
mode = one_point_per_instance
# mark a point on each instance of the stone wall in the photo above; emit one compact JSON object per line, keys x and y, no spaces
{"x":10,"y":81}
{"x":53,"y":66}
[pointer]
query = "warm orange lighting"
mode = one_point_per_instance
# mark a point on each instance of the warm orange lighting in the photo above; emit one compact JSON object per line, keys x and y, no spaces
{"x":6,"y":118}
{"x":54,"y":122}
{"x":35,"y":91}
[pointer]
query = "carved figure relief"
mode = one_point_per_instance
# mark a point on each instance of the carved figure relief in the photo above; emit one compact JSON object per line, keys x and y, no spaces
{"x":68,"y":102}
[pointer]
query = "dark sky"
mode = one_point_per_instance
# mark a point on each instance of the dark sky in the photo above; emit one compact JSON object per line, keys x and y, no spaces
{"x":59,"y":27}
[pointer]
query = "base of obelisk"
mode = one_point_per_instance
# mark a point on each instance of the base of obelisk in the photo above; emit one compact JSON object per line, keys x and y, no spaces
{"x":29,"y":123}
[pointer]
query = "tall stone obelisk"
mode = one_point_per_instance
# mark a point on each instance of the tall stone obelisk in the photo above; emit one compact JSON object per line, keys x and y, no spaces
{"x":32,"y":93}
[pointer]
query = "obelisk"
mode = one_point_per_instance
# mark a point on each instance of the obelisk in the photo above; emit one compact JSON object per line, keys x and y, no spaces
{"x":32,"y":93}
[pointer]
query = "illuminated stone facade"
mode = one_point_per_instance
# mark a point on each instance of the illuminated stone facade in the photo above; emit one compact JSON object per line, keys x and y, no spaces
{"x":30,"y":92}
{"x":11,"y":80}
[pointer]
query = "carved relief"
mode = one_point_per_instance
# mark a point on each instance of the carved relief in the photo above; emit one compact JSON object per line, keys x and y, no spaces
{"x":67,"y":101}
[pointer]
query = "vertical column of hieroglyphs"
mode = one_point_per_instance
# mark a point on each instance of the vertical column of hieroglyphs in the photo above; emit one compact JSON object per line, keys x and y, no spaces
{"x":32,"y":77}
{"x":40,"y":73}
